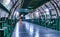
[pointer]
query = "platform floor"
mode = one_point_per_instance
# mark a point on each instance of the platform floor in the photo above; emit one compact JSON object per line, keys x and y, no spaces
{"x":32,"y":30}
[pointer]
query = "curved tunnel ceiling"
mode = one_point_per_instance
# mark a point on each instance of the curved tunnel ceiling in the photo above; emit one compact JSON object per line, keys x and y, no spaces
{"x":27,"y":6}
{"x":33,"y":3}
{"x":50,"y":10}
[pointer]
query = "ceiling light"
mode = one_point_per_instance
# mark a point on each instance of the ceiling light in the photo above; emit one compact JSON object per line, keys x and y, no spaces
{"x":37,"y":14}
{"x":22,"y":15}
{"x":6,"y":2}
{"x":47,"y":11}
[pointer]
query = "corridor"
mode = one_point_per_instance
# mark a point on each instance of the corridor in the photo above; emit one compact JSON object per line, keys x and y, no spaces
{"x":32,"y":30}
{"x":29,"y":18}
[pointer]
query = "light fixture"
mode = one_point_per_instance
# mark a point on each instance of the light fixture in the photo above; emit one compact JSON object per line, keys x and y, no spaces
{"x":22,"y":15}
{"x":47,"y":11}
{"x":26,"y":9}
{"x":37,"y":14}
{"x":6,"y":2}
{"x":29,"y":7}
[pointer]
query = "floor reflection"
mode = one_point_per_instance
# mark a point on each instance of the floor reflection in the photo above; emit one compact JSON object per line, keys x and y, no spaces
{"x":33,"y":30}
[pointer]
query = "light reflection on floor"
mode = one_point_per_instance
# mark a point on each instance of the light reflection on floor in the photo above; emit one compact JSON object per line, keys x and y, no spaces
{"x":33,"y":30}
{"x":17,"y":30}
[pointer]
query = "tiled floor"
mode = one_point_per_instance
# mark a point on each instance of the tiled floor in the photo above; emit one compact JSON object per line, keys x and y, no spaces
{"x":32,"y":30}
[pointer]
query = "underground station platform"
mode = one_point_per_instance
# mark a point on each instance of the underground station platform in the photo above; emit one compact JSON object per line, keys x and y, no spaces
{"x":29,"y":18}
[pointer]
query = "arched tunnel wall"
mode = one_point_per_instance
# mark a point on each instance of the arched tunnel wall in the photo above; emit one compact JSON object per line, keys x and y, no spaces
{"x":47,"y":15}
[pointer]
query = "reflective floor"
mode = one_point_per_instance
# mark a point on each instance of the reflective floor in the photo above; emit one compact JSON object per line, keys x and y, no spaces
{"x":32,"y":30}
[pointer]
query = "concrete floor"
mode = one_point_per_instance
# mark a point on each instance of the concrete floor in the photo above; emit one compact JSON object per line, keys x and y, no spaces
{"x":32,"y":30}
